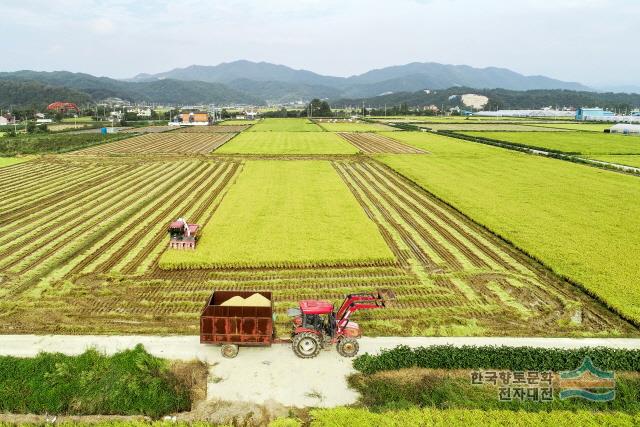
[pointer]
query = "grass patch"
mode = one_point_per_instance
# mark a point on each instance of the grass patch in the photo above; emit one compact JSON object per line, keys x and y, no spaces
{"x":569,"y":142}
{"x":580,"y":221}
{"x":285,"y":125}
{"x":131,"y":382}
{"x":287,"y":143}
{"x":285,"y":213}
{"x":347,"y":417}
{"x":53,"y":143}
{"x":494,"y":357}
{"x":8,"y":161}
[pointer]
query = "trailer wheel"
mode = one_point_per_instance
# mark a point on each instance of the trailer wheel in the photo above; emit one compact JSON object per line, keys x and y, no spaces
{"x":306,"y":345}
{"x":348,"y":347}
{"x":229,"y":351}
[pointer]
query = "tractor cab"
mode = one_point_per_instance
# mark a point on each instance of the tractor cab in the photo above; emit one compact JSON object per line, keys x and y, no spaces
{"x":315,"y":315}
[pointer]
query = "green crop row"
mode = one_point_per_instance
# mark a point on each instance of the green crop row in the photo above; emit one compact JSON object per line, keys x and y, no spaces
{"x":494,"y":357}
{"x":349,"y":417}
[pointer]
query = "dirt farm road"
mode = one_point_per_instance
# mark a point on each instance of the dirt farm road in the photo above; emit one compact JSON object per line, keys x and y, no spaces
{"x":274,"y":374}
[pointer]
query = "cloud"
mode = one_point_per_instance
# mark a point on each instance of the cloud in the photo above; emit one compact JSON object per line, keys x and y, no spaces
{"x":563,"y":38}
{"x":101,"y":26}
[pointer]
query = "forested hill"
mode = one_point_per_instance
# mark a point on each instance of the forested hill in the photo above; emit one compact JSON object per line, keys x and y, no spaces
{"x":500,"y":99}
{"x":32,"y":89}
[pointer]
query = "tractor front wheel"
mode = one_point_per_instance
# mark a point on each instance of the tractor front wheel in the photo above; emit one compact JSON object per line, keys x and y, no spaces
{"x":306,"y":345}
{"x":348,"y":347}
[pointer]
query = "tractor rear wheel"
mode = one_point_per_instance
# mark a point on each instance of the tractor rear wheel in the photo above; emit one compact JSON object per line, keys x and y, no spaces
{"x":229,"y":351}
{"x":348,"y":347}
{"x":306,"y":345}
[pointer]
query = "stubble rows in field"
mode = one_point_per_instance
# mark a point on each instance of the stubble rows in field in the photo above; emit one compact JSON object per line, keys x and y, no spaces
{"x":162,"y":143}
{"x":377,"y":143}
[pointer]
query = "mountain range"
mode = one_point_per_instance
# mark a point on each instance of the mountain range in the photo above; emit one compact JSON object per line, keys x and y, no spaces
{"x":279,"y":83}
{"x":259,"y":83}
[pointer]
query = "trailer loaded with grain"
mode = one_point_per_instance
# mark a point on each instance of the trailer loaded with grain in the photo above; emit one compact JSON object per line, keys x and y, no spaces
{"x":245,"y":318}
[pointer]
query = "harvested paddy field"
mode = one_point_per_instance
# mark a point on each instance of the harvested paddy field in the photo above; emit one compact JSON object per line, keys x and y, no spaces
{"x":162,"y":143}
{"x":82,"y":237}
{"x":376,"y":143}
{"x":149,"y":129}
{"x":576,"y":219}
{"x":213,"y":129}
{"x":568,"y":142}
{"x":287,"y":143}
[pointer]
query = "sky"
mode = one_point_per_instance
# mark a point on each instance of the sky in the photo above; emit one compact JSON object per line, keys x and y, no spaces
{"x":590,"y":41}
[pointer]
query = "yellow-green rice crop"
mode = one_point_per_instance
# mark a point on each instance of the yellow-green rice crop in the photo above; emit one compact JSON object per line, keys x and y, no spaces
{"x":285,"y":125}
{"x":286,"y":214}
{"x":355,"y":127}
{"x":287,"y":143}
{"x":627,"y":160}
{"x":8,"y":161}
{"x":569,"y":142}
{"x":582,"y":222}
{"x":593,"y":127}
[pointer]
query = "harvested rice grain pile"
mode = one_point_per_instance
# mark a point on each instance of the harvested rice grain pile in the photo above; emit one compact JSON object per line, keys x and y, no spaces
{"x":255,"y":300}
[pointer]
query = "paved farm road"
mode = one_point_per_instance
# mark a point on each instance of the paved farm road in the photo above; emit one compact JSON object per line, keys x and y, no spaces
{"x":273,"y":374}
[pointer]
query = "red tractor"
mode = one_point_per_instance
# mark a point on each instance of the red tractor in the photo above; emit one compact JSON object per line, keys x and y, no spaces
{"x":317,"y":325}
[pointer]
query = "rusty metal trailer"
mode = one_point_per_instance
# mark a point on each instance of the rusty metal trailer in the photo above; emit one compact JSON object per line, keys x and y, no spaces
{"x":234,"y":326}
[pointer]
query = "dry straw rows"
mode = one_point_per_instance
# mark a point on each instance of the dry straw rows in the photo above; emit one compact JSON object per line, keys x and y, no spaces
{"x":212,"y":129}
{"x":162,"y":143}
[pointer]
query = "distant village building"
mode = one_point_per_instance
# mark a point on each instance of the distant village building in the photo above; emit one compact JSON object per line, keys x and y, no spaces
{"x":192,"y":118}
{"x":432,"y":108}
{"x":592,"y":113}
{"x":3,"y":121}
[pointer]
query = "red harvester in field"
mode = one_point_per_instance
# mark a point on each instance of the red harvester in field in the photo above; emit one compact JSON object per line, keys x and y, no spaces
{"x":183,"y":235}
{"x":316,"y":324}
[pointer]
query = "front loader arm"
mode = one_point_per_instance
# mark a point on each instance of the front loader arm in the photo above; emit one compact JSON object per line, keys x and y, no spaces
{"x":355,"y":302}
